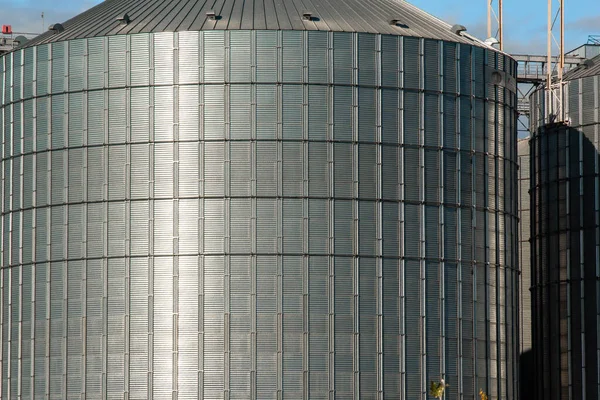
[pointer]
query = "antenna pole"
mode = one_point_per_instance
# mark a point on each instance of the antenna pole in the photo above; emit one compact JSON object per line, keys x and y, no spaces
{"x":549,"y":50}
{"x":561,"y":62}
{"x":489,"y":18}
{"x":495,"y":20}
{"x":500,"y":25}
{"x":555,"y":89}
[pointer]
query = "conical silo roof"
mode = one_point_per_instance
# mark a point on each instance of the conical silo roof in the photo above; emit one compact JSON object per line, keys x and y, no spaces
{"x":143,"y":16}
{"x":590,"y":67}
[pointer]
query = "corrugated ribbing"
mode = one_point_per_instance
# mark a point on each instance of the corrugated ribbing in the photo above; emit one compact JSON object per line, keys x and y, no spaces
{"x":256,"y":215}
{"x":525,"y":214}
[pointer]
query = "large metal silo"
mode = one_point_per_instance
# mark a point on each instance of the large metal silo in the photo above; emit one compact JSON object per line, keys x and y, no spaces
{"x":564,"y":245}
{"x":258,"y":201}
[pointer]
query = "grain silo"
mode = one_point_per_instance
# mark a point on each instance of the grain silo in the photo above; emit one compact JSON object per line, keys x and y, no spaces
{"x":258,"y":200}
{"x":564,"y":239}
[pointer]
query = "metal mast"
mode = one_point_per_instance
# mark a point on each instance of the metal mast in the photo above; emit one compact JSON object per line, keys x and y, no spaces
{"x":494,"y":20}
{"x":554,"y":79}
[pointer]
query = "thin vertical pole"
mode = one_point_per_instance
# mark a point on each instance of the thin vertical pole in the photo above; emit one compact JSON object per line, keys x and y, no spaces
{"x":549,"y":61}
{"x":500,"y":25}
{"x":561,"y":61}
{"x":489,"y":18}
{"x":497,"y":16}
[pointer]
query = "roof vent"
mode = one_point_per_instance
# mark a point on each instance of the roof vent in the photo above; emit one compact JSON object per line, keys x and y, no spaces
{"x":585,"y":64}
{"x":458,"y":29}
{"x":123,"y":19}
{"x":56,"y":28}
{"x":491,"y":41}
{"x":307,"y":16}
{"x":21,"y":40}
{"x":398,"y":23}
{"x":212,"y":15}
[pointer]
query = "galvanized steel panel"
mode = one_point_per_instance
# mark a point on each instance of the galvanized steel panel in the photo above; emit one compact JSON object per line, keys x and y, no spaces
{"x":96,"y":119}
{"x":163,"y":170}
{"x":117,"y":53}
{"x":163,"y":113}
{"x":96,"y":63}
{"x":76,"y":66}
{"x":117,"y":116}
{"x":318,"y":65}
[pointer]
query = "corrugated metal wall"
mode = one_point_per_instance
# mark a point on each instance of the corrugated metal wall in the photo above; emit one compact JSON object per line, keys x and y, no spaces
{"x":524,"y":242}
{"x":258,"y":214}
{"x":565,"y":250}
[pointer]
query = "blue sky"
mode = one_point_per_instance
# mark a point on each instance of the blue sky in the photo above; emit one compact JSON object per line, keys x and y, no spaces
{"x":25,"y":15}
{"x":525,"y":20}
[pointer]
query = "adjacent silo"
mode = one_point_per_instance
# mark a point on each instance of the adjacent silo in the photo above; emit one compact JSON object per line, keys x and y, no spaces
{"x":255,"y":200}
{"x":564,"y":245}
{"x":526,"y":365}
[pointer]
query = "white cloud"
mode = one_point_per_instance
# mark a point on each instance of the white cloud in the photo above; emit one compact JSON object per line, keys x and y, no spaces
{"x":589,"y":25}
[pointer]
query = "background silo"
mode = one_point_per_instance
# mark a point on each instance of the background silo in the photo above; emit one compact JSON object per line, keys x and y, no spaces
{"x":258,"y":201}
{"x":564,"y":184}
{"x":526,"y":364}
